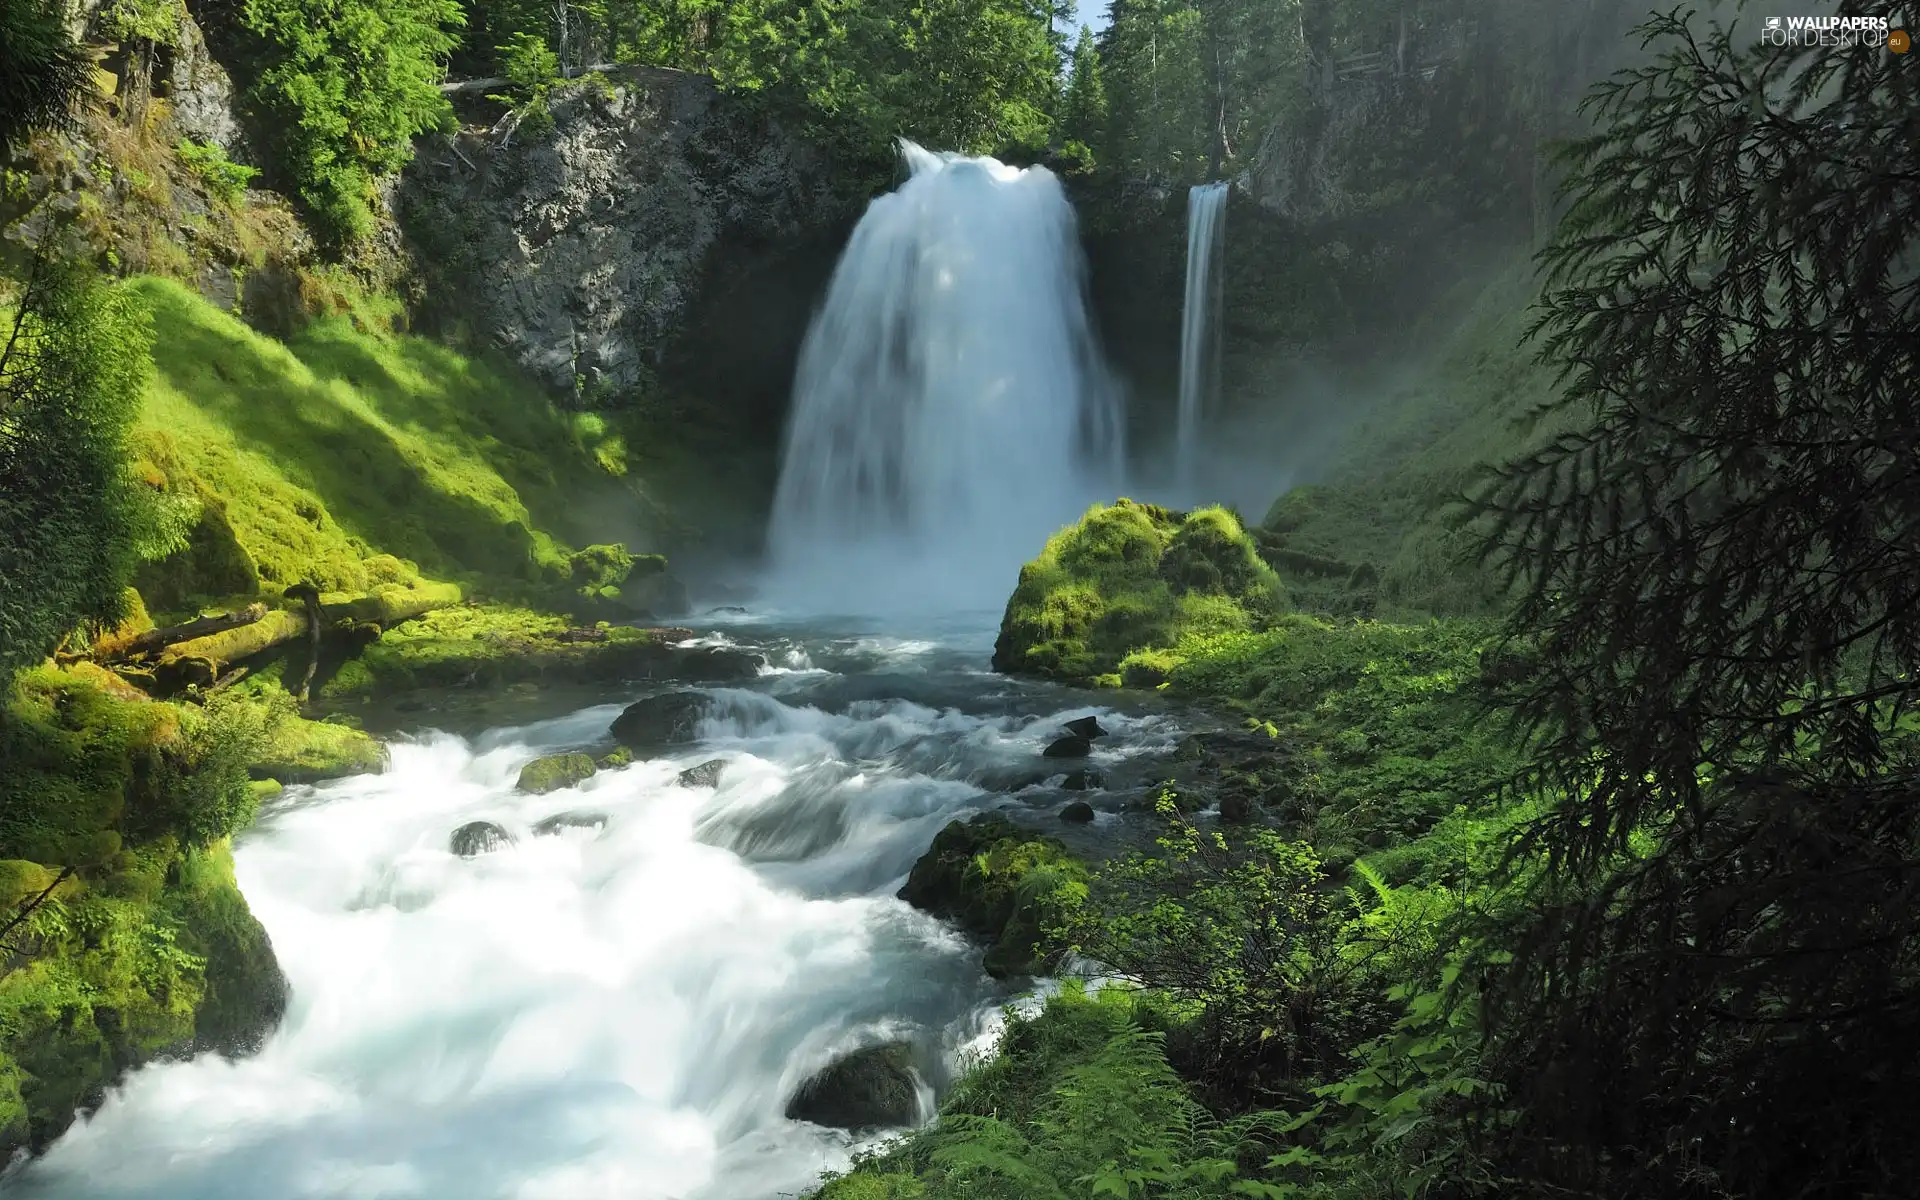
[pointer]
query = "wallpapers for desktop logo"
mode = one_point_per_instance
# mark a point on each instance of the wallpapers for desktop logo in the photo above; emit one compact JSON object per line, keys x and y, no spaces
{"x":1838,"y":33}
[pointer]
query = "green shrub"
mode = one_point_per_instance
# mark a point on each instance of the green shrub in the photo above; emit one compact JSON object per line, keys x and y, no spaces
{"x":223,"y":177}
{"x":343,"y":89}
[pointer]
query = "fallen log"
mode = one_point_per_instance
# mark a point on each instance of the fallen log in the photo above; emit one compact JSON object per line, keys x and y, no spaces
{"x":158,"y":639}
{"x":203,"y":659}
{"x":386,"y":605}
{"x":243,"y":641}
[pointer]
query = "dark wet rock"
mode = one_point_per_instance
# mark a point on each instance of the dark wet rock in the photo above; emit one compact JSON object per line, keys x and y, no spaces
{"x":1086,"y":727}
{"x":711,"y":664}
{"x":707,"y":774}
{"x":1077,"y":813}
{"x":1086,"y":779}
{"x":555,"y":771}
{"x":478,"y":837}
{"x":561,"y":822}
{"x":672,"y":719}
{"x":1237,"y":807}
{"x":730,"y":609}
{"x":874,"y":1088}
{"x":1071,"y":746}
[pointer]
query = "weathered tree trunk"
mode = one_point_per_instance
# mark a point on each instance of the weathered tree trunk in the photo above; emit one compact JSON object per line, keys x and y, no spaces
{"x":199,"y":627}
{"x":1316,"y":34}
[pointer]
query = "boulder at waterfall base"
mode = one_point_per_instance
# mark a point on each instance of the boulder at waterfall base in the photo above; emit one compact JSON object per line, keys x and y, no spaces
{"x":873,"y":1088}
{"x":672,"y":719}
{"x":478,"y":837}
{"x":1129,"y":578}
{"x":555,"y":771}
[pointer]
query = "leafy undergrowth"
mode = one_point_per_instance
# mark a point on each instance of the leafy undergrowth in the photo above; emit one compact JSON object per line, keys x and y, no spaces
{"x":1128,"y":576}
{"x":117,"y":811}
{"x":1287,"y":946}
{"x":1080,"y":1101}
{"x":349,"y":459}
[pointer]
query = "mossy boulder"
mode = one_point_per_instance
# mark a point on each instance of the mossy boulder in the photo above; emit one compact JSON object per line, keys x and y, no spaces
{"x":873,"y":1088}
{"x":302,"y":751}
{"x":555,"y":771}
{"x":1000,"y":883}
{"x":661,"y":721}
{"x":1129,"y":576}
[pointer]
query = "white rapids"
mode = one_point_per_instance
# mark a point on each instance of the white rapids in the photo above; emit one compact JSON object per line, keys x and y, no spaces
{"x":615,"y":1014}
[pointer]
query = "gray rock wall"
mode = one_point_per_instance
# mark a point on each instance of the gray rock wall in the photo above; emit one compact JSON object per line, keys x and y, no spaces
{"x":582,"y":248}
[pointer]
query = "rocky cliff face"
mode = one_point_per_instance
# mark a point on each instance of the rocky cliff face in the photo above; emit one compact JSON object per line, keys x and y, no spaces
{"x":583,"y":249}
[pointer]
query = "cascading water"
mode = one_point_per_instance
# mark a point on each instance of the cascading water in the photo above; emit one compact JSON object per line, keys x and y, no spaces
{"x":951,"y":407}
{"x":1200,"y":322}
{"x":617,"y":1009}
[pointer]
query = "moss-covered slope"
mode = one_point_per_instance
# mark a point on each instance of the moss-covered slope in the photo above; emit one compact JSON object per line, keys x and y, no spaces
{"x":127,"y":937}
{"x":350,"y":459}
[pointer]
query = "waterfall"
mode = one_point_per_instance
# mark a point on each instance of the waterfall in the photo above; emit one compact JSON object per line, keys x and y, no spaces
{"x":1200,"y":321}
{"x":951,"y":407}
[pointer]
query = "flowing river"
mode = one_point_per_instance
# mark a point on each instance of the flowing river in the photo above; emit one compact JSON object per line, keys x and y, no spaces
{"x":621,"y":1012}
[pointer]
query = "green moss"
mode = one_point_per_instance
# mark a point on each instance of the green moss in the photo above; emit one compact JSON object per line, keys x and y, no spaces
{"x":348,"y":458}
{"x":1385,"y":722}
{"x":303,"y":751}
{"x":483,"y":645}
{"x":1129,"y":577}
{"x":146,"y":946}
{"x":1003,"y":884}
{"x":555,"y":771}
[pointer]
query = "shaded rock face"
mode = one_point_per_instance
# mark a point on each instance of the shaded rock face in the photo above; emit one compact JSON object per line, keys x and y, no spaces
{"x":669,"y":720}
{"x":1079,"y":812}
{"x":199,"y":93}
{"x":874,"y":1088}
{"x":555,"y":771}
{"x":581,"y":249}
{"x":478,"y":837}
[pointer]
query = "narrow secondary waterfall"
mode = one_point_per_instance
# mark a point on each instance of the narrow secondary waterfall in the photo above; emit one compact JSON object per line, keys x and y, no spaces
{"x":951,"y":407}
{"x":1200,"y":321}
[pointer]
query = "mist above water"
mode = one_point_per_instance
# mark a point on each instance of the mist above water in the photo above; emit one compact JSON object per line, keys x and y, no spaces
{"x":951,"y":407}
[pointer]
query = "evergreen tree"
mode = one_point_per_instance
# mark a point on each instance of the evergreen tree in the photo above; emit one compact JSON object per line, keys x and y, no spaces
{"x":1718,"y":575}
{"x":1083,"y":107}
{"x":72,"y":518}
{"x":44,"y":74}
